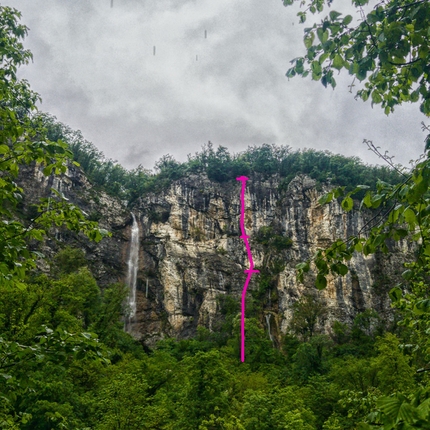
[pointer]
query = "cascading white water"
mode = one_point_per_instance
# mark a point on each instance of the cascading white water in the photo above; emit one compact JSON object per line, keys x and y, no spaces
{"x":133,"y":263}
{"x":268,"y":326}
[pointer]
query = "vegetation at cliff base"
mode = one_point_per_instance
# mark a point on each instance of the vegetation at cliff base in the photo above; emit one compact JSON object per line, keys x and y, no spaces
{"x":65,"y":362}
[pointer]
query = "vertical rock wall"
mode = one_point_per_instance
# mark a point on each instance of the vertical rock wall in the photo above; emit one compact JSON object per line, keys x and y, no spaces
{"x":192,"y":253}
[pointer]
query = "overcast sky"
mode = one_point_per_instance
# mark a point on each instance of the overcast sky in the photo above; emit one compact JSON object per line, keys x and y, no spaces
{"x":218,"y":74}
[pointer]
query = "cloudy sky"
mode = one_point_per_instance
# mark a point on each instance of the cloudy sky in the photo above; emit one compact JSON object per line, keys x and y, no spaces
{"x":218,"y":74}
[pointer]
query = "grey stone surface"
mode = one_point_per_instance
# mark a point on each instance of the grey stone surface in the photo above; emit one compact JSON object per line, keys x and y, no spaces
{"x":191,"y":252}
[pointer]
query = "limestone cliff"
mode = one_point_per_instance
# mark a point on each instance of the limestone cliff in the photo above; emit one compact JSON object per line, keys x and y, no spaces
{"x":190,"y":251}
{"x":107,"y":257}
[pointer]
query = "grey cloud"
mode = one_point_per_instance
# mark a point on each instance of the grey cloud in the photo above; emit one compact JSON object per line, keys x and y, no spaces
{"x":95,"y":70}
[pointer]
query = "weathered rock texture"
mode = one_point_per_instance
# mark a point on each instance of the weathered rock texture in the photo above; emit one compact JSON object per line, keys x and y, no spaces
{"x":191,"y":253}
{"x":106,"y":258}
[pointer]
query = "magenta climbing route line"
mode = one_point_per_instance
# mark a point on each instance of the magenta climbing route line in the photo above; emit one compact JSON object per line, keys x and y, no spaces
{"x":249,"y":271}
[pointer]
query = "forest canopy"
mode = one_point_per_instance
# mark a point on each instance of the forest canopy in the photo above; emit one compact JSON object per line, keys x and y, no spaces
{"x":218,"y":164}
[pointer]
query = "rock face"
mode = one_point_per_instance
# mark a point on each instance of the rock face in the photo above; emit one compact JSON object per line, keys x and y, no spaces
{"x":191,"y":254}
{"x":106,"y":258}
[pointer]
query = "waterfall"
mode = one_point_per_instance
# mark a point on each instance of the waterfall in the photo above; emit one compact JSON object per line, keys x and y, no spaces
{"x":133,"y":264}
{"x":268,"y":326}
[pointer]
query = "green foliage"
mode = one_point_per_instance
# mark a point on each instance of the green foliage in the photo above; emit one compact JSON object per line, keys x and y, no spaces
{"x":354,"y":406}
{"x":399,"y":412}
{"x":43,"y":324}
{"x":388,"y":50}
{"x":320,"y":395}
{"x":59,"y":375}
{"x":401,"y":214}
{"x":122,"y":396}
{"x":359,"y":338}
{"x":23,"y":142}
{"x":206,"y":386}
{"x":281,"y":409}
{"x":308,"y":311}
{"x":76,"y":294}
{"x":107,"y":318}
{"x":34,"y":383}
{"x":310,"y":358}
{"x":219,"y":165}
{"x":69,"y":260}
{"x":267,"y":237}
{"x":394,"y":372}
{"x":46,"y":338}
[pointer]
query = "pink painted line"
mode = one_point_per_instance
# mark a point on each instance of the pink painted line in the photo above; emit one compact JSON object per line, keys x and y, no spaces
{"x":251,"y":269}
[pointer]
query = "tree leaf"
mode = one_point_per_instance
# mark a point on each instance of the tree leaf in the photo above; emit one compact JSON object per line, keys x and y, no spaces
{"x":337,"y":62}
{"x":367,"y":201}
{"x":347,"y":20}
{"x":309,"y":40}
{"x":334,"y":15}
{"x":342,"y":269}
{"x":396,"y":294}
{"x":408,"y":413}
{"x":390,"y":406}
{"x":410,"y":217}
{"x":422,"y":307}
{"x":321,"y":282}
{"x":326,"y":198}
{"x":347,"y":204}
